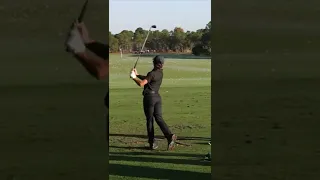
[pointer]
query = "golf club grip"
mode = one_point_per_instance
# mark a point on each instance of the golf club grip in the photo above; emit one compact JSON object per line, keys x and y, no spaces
{"x":98,"y":48}
{"x":80,"y":18}
{"x":83,"y":11}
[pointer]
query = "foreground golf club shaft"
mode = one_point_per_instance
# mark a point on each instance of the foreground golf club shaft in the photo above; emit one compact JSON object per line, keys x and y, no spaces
{"x":83,"y":11}
{"x":144,"y":43}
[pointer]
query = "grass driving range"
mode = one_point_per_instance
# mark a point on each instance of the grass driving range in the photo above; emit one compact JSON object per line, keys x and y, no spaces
{"x":186,"y":93}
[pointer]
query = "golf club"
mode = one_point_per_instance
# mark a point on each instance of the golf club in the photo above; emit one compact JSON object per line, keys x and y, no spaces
{"x":83,"y":11}
{"x":80,"y":17}
{"x":153,"y":26}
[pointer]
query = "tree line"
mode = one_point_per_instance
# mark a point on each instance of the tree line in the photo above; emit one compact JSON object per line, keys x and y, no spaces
{"x":177,"y":40}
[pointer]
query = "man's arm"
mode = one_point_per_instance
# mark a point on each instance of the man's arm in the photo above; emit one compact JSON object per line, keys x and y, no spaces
{"x":100,"y":49}
{"x":142,"y":77}
{"x":142,"y":82}
{"x":94,"y":56}
{"x":95,"y":65}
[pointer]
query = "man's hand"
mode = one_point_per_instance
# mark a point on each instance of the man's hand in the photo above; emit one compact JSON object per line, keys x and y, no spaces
{"x":137,"y":78}
{"x":135,"y":71}
{"x":83,"y":32}
{"x":74,"y":42}
{"x":133,"y":74}
{"x":138,"y":75}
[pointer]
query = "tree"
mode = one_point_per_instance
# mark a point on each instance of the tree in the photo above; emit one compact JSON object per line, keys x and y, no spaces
{"x":154,"y":41}
{"x":164,"y":41}
{"x":205,"y":46}
{"x":199,"y":41}
{"x":125,"y":40}
{"x":178,"y":39}
{"x":208,"y":26}
{"x":113,"y":42}
{"x":139,"y":37}
{"x":193,"y":38}
{"x":206,"y":38}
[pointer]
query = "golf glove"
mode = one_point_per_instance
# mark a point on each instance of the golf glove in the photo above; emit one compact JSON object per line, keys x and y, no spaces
{"x":75,"y":42}
{"x":133,"y":75}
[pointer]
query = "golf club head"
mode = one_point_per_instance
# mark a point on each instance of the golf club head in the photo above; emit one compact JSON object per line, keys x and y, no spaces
{"x":153,"y":26}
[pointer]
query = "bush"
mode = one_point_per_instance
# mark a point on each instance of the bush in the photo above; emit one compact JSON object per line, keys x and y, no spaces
{"x":199,"y":50}
{"x":196,"y":50}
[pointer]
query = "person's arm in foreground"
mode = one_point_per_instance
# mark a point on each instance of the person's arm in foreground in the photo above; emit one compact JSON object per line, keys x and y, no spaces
{"x":96,"y":63}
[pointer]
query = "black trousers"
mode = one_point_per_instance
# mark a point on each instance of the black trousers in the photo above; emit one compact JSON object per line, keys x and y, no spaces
{"x":152,"y":106}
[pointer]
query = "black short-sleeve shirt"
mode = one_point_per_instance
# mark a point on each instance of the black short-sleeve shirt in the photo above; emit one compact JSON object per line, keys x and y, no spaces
{"x":154,"y":79}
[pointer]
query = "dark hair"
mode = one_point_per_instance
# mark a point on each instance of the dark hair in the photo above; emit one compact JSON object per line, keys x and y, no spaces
{"x":158,"y":66}
{"x":158,"y":62}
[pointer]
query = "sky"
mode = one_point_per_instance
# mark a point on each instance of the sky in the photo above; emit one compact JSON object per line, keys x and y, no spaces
{"x":190,"y":15}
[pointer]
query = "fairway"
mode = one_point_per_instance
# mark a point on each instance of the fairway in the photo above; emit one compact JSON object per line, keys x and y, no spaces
{"x":186,"y":93}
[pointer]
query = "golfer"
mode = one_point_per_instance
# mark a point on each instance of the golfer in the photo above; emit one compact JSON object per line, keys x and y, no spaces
{"x":93,"y":55}
{"x":152,"y":103}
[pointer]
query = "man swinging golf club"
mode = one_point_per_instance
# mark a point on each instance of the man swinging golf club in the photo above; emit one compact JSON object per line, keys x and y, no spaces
{"x":93,"y":55}
{"x":152,"y":103}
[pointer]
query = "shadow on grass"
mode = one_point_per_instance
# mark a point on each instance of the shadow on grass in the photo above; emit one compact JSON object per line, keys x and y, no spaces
{"x":159,"y":160}
{"x":155,"y":173}
{"x":161,"y":137}
{"x":173,"y":56}
{"x":202,"y":143}
{"x":130,"y":148}
{"x":157,"y":153}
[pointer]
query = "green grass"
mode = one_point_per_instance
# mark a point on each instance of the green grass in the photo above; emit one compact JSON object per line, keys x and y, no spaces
{"x":186,"y":93}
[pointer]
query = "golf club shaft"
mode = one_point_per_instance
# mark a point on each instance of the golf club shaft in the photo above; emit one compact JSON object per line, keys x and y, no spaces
{"x":83,"y":11}
{"x":142,"y":48}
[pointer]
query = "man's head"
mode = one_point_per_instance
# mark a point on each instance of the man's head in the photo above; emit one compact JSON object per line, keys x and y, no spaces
{"x":158,"y":62}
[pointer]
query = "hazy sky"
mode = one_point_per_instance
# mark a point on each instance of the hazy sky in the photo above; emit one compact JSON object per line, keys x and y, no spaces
{"x":166,"y":14}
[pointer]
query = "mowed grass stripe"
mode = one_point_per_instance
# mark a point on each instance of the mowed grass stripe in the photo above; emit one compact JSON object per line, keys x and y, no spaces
{"x":187,"y":74}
